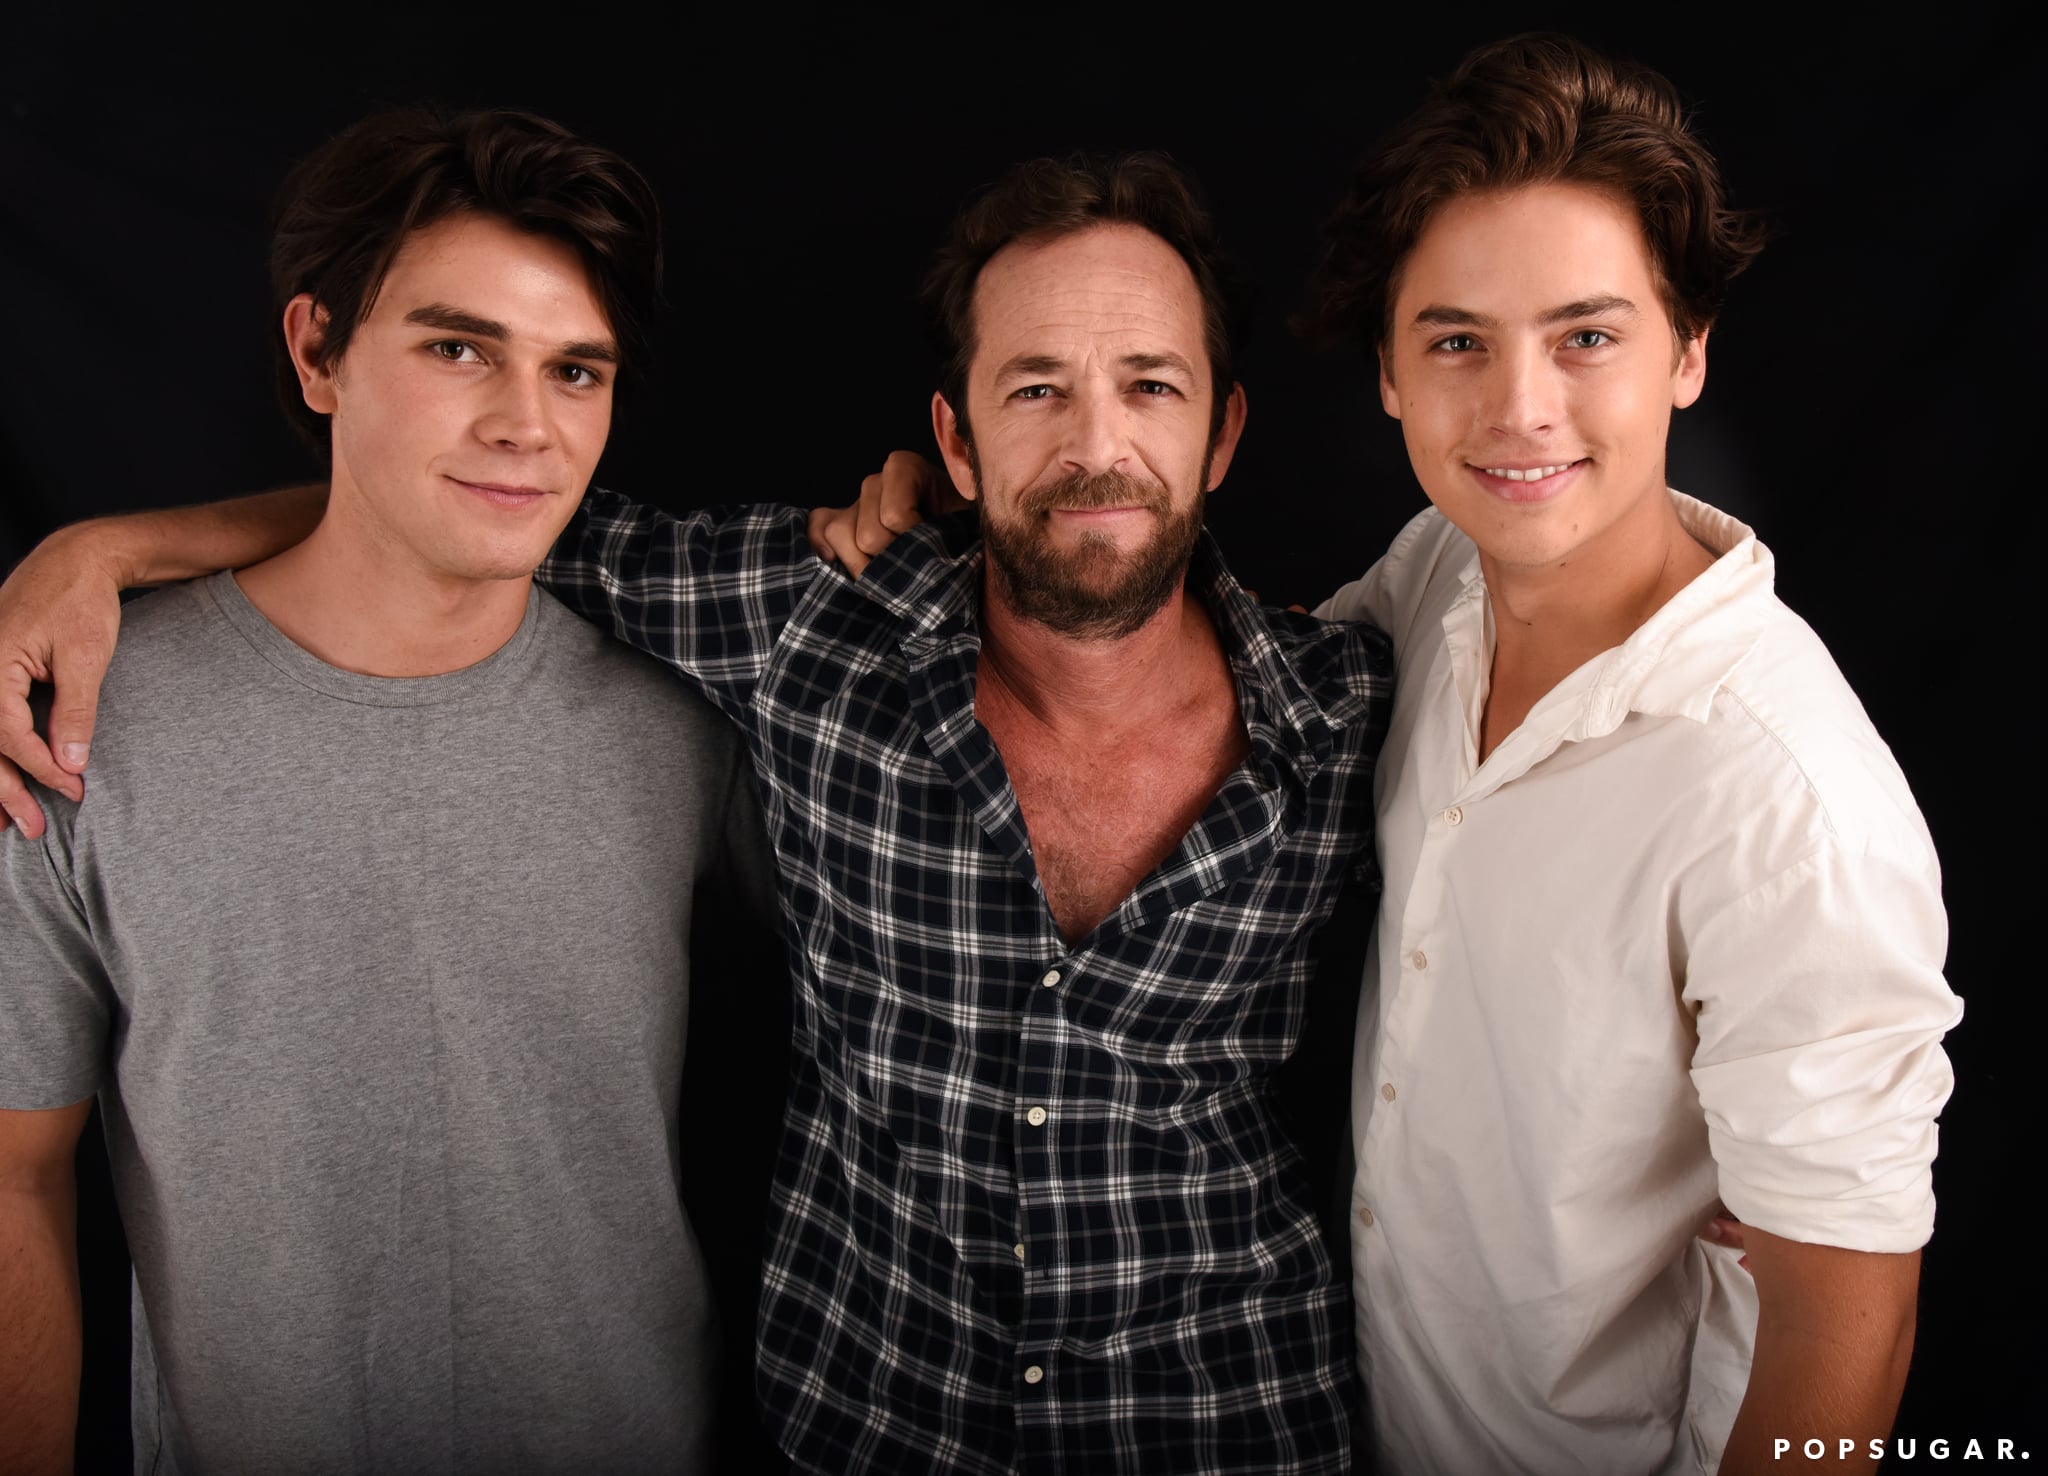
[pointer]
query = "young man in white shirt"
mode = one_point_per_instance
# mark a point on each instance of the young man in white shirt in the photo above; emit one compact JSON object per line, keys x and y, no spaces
{"x":1662,"y":922}
{"x":1662,"y":925}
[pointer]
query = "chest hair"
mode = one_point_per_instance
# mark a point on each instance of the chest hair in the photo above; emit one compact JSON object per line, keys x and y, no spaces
{"x":1103,"y":813}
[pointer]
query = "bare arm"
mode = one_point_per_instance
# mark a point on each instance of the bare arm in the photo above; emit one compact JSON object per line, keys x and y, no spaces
{"x":185,"y":542}
{"x":60,"y":612}
{"x":1834,"y":1336}
{"x":40,"y":1337}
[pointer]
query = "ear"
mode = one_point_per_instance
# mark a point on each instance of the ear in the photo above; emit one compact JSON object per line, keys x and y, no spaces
{"x":1225,"y":445}
{"x":305,"y":326}
{"x":1690,"y":377}
{"x":953,"y":447}
{"x":1390,"y":398}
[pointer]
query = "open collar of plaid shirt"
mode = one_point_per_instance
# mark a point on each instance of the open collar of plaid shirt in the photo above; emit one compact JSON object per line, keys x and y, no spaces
{"x":1033,"y":1211}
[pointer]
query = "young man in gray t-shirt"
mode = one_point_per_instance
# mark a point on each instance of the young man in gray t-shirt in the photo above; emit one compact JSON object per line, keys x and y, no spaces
{"x":384,"y":996}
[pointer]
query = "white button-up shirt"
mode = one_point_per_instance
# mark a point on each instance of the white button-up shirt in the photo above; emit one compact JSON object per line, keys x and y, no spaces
{"x":1679,"y":937}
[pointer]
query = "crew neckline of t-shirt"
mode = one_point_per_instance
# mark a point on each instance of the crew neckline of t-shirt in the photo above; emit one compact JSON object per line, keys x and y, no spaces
{"x":302,"y":666}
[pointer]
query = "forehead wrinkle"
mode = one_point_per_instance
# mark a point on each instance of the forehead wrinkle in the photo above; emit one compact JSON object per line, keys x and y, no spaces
{"x":1074,"y":308}
{"x":1060,"y":336}
{"x":1060,"y":303}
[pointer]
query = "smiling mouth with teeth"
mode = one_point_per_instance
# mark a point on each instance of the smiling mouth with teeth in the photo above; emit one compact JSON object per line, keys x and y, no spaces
{"x":1533,"y":474}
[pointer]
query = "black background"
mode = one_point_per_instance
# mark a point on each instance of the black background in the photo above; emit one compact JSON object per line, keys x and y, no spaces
{"x":1872,"y":405}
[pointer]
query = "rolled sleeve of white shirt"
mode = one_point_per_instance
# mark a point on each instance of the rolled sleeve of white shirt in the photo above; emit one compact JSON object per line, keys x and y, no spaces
{"x":1820,"y":1011}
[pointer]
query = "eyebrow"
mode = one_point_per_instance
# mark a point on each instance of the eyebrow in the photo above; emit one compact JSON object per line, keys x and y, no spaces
{"x":1142,"y":362}
{"x":1030,"y":364}
{"x":455,"y":320}
{"x":1604,"y":305}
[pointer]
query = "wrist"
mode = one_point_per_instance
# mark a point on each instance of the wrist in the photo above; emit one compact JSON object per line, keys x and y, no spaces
{"x":99,"y":548}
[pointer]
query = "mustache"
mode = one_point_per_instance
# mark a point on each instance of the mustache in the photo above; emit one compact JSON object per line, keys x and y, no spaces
{"x":1083,"y":491}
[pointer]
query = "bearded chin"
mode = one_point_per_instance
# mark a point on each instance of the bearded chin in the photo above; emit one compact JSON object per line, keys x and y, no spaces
{"x":1095,"y":591}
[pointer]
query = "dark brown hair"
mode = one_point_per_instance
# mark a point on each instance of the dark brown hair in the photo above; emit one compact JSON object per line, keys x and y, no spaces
{"x":1045,"y":199}
{"x":1534,"y":109}
{"x":346,"y":209}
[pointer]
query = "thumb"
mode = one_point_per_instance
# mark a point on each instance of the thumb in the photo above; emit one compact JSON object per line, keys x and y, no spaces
{"x":74,"y":704}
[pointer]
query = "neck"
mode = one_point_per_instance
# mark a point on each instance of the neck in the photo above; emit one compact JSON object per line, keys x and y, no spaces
{"x":356,"y":602}
{"x":1101,"y":685}
{"x":1562,"y":614}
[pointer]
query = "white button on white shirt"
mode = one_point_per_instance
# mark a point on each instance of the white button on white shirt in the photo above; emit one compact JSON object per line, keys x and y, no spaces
{"x":1701,"y":905}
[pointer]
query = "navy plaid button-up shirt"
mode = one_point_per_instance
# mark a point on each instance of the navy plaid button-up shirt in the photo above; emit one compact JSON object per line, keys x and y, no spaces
{"x":1033,"y":1211}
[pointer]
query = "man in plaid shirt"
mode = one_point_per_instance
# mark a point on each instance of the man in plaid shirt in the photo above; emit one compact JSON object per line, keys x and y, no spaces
{"x":1058,"y":810}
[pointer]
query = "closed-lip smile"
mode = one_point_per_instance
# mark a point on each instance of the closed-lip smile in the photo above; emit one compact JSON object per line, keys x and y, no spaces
{"x":502,"y":494}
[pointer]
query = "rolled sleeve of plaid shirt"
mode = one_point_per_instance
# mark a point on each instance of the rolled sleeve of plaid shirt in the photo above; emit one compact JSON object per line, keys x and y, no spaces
{"x":1033,"y":1210}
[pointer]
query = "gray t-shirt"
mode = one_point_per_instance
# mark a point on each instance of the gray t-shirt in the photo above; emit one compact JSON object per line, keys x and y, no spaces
{"x":383,"y":985}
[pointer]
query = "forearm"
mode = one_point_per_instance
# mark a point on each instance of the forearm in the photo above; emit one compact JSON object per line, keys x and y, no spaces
{"x":707,"y":594}
{"x":1835,"y":1377}
{"x":40,"y":1330}
{"x":167,"y":544}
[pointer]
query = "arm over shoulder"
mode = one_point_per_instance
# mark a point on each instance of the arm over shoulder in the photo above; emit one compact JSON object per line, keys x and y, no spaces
{"x":708,"y":593}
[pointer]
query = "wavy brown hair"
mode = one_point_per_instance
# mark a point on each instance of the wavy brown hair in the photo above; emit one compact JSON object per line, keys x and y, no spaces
{"x":1534,"y":109}
{"x":344,"y":211}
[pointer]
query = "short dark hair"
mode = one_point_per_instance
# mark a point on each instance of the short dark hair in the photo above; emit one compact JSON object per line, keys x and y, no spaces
{"x":1534,"y":109}
{"x":345,"y":210}
{"x":1045,"y":199}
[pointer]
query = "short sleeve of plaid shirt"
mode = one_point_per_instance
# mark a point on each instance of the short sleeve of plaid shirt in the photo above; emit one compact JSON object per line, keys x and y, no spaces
{"x":1035,"y":1211}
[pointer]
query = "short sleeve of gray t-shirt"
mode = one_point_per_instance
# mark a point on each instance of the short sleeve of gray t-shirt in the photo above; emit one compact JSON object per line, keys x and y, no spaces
{"x":383,"y":983}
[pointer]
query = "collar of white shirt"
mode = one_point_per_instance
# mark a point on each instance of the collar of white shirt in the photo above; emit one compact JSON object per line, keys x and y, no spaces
{"x":1672,"y":666}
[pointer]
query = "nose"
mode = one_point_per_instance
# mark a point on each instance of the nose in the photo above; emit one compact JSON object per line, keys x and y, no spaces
{"x":1096,"y":429}
{"x":514,"y":415}
{"x":1523,"y":391}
